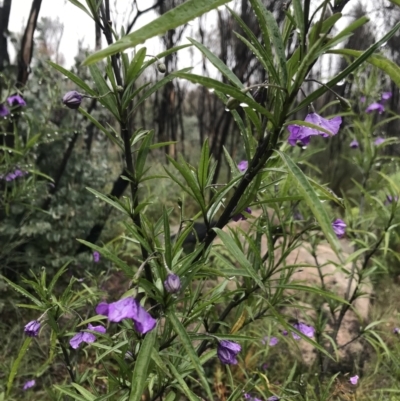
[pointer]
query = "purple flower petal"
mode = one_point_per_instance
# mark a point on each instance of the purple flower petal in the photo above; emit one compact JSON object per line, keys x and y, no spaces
{"x":122,"y":309}
{"x":240,"y":216}
{"x":378,"y":141}
{"x":102,"y":308}
{"x":303,"y":134}
{"x":16,"y":100}
{"x":354,"y":380}
{"x":72,"y":99}
{"x":76,"y":340}
{"x":32,"y":328}
{"x":4,"y":111}
{"x":375,"y":106}
{"x":227,"y":351}
{"x":363,"y":99}
{"x":100,"y":329}
{"x":96,"y":257}
{"x":339,"y":228}
{"x":271,"y":341}
{"x":143,"y":321}
{"x":243,"y":165}
{"x":305,"y":329}
{"x":386,"y":95}
{"x":29,"y":384}
{"x":172,"y":284}
{"x":354,"y":144}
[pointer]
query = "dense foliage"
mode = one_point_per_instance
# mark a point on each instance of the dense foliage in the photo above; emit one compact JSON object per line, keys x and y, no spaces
{"x":137,"y":279}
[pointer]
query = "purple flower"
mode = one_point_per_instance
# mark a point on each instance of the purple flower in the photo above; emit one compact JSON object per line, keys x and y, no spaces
{"x":128,"y":308}
{"x":386,"y":95}
{"x":247,"y":396}
{"x":297,"y":215}
{"x":172,"y":284}
{"x":339,"y":228}
{"x":390,"y":199}
{"x":29,"y":384}
{"x":84,"y":337}
{"x":271,"y":341}
{"x":240,"y":216}
{"x":378,"y":141}
{"x":354,"y":380}
{"x":273,"y":398}
{"x":227,"y":351}
{"x":363,"y":99}
{"x":265,"y":366}
{"x":96,"y":257}
{"x":4,"y":111}
{"x":354,"y":144}
{"x":32,"y":328}
{"x":305,"y":329}
{"x":396,"y":330}
{"x":16,"y":100}
{"x":243,"y":165}
{"x":375,"y":106}
{"x":72,"y":99}
{"x":303,"y":134}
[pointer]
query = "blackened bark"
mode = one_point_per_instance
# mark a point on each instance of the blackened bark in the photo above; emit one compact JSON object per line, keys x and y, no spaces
{"x":25,"y":55}
{"x":4,"y":18}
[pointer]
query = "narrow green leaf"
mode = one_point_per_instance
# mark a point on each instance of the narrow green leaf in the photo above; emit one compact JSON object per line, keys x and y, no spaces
{"x":107,"y":100}
{"x":263,"y":54}
{"x":202,"y":171}
{"x":109,"y":255}
{"x":187,"y":345}
{"x":73,"y":394}
{"x":142,"y":155}
{"x":135,"y":65}
{"x":178,"y":16}
{"x":356,"y":63}
{"x":81,"y":6}
{"x":348,"y":31}
{"x":15,"y":365}
{"x":377,"y":60}
{"x":55,"y":278}
{"x":157,"y":86}
{"x":167,"y":239}
{"x":116,"y":204}
{"x":299,"y":18}
{"x":22,"y":291}
{"x":188,"y":175}
{"x":396,"y":2}
{"x":227,"y":90}
{"x":275,"y":35}
{"x":238,"y":255}
{"x":182,"y":384}
{"x":74,"y":78}
{"x":140,"y":372}
{"x":313,"y":203}
{"x":101,"y":127}
{"x":218,"y":63}
{"x":87,"y":394}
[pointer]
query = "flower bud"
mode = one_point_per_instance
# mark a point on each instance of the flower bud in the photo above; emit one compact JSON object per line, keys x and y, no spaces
{"x":32,"y":328}
{"x":232,"y":103}
{"x":161,"y":68}
{"x":72,"y":99}
{"x":172,"y":284}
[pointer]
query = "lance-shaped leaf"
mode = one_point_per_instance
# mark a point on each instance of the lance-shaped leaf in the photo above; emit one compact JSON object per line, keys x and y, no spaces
{"x":357,"y":62}
{"x":178,"y":16}
{"x":381,"y":62}
{"x":313,"y":202}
